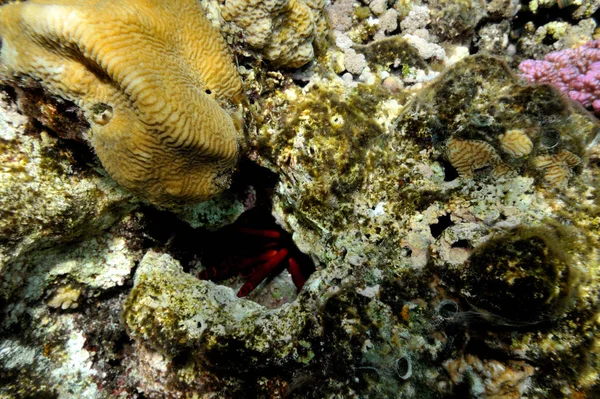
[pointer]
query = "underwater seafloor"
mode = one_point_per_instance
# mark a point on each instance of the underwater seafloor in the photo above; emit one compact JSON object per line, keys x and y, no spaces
{"x":443,"y":210}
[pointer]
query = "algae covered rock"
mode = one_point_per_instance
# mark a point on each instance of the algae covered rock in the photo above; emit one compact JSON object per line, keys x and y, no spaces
{"x":444,"y":181}
{"x":453,"y":19}
{"x":204,"y":329}
{"x":523,"y":277}
{"x":422,"y":264}
{"x":487,"y":121}
{"x":282,"y":30}
{"x":47,"y":198}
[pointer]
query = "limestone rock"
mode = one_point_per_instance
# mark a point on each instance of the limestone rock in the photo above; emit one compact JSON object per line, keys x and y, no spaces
{"x":46,"y":198}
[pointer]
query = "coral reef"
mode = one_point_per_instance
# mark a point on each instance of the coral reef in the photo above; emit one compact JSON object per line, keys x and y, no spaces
{"x":528,"y":134}
{"x":47,"y":196}
{"x":579,"y":8}
{"x":283,"y":31}
{"x":152,"y":101}
{"x":407,"y":211}
{"x":453,"y":19}
{"x":493,"y":379}
{"x":535,"y":41}
{"x":450,"y":209}
{"x":575,"y":72}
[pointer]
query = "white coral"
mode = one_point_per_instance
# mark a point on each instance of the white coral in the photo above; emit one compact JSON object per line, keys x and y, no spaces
{"x":417,"y":18}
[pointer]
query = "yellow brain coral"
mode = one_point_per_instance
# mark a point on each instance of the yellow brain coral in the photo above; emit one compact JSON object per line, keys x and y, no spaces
{"x":469,"y":155}
{"x":148,"y":74}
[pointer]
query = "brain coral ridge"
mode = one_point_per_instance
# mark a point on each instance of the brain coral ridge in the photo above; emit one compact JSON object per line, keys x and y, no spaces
{"x":148,"y":74}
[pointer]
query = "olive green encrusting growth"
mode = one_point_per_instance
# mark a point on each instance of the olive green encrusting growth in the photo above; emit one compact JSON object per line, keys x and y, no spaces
{"x":148,"y":74}
{"x":523,"y":276}
{"x":488,"y":122}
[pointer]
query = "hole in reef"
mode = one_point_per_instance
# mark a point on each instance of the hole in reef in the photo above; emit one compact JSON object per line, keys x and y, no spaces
{"x":232,"y":254}
{"x":484,"y":171}
{"x":447,"y":309}
{"x":450,"y":172}
{"x":462,"y":244}
{"x":443,"y":223}
{"x":11,"y":94}
{"x":549,"y":40}
{"x":301,"y":82}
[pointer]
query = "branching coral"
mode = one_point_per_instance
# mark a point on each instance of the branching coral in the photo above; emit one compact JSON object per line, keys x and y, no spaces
{"x":148,"y":75}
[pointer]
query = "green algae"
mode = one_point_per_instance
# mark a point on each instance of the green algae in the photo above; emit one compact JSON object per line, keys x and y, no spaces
{"x":388,"y":52}
{"x":362,"y":13}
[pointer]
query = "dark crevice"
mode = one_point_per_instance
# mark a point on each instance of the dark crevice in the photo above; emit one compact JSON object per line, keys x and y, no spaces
{"x":450,"y":172}
{"x":462,"y":244}
{"x":438,"y":228}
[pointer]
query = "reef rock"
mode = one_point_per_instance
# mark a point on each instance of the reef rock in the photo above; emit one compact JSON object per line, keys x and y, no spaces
{"x":384,"y":192}
{"x":453,"y":224}
{"x":422,"y":257}
{"x":47,"y":197}
{"x":483,"y":119}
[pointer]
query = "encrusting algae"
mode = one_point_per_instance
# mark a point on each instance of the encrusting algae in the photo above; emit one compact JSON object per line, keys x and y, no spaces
{"x":149,"y":76}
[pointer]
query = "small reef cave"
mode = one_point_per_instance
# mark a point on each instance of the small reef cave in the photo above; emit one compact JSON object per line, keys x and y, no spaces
{"x":231,"y":254}
{"x":443,"y":223}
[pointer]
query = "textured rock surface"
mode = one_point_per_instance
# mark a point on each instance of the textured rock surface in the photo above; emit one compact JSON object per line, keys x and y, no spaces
{"x":148,"y":75}
{"x":406,"y":211}
{"x":282,"y":30}
{"x":398,"y":307}
{"x":70,"y":294}
{"x":47,"y":196}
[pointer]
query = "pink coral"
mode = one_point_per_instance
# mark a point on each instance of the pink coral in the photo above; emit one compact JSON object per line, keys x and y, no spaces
{"x":575,"y":72}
